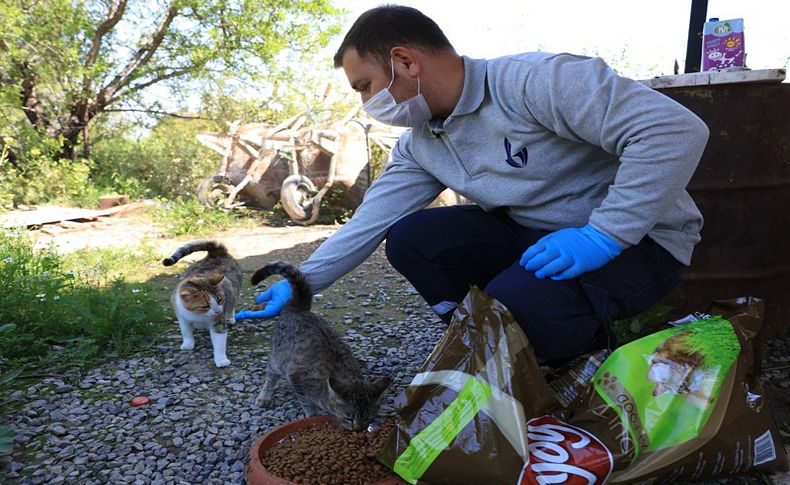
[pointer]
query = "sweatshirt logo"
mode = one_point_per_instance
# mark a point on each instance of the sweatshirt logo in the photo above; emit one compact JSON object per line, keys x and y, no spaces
{"x":521,"y":155}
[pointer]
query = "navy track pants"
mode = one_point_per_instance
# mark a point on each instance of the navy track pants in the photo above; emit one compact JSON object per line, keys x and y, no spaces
{"x":442,"y":251}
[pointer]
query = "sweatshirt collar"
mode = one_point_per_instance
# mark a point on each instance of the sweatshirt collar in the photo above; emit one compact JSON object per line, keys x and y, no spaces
{"x":471,"y":98}
{"x":474,"y":87}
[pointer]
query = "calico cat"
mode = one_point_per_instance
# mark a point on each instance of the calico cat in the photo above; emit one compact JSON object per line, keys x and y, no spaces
{"x":315,"y":361}
{"x":206,"y":295}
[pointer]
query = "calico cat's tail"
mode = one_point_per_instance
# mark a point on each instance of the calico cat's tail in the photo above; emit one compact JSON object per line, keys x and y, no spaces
{"x":301,"y":293}
{"x":214,"y":248}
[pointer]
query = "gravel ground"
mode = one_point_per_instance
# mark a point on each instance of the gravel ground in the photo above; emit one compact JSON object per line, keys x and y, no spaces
{"x":202,"y":420}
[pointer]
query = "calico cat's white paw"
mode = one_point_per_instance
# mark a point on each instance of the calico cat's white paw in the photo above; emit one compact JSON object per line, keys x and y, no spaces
{"x":262,"y":402}
{"x":224,"y":362}
{"x":188,"y":346}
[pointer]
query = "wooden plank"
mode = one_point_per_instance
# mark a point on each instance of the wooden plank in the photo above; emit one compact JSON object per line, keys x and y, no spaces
{"x":717,"y":77}
{"x":49,"y":215}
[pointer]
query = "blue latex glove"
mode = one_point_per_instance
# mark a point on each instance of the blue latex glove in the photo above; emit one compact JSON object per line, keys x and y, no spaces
{"x":568,"y":253}
{"x":276,"y":296}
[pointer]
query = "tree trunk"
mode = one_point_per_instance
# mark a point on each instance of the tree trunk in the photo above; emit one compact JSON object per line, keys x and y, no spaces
{"x":70,"y":141}
{"x":86,"y":148}
{"x":81,"y":115}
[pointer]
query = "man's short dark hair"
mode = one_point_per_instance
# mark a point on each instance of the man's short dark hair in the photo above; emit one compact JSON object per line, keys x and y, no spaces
{"x":380,"y":29}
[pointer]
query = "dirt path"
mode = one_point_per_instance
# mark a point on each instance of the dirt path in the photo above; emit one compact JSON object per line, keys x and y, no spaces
{"x":129,"y":229}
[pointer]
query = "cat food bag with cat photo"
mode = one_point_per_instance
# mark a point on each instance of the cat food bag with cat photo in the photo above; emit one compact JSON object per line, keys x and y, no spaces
{"x":683,"y":403}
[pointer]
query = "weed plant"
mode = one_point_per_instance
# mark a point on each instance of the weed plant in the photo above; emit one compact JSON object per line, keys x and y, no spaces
{"x":53,"y":318}
{"x":187,"y":216}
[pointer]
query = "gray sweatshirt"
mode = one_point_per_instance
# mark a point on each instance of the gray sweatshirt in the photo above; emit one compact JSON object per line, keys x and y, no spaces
{"x":558,"y":141}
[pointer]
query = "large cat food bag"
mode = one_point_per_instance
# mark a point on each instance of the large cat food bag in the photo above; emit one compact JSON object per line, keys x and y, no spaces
{"x":682,"y":403}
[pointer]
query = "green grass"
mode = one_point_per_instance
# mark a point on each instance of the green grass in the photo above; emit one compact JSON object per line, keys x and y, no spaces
{"x":59,"y":313}
{"x":136,"y":264}
{"x":188,"y":216}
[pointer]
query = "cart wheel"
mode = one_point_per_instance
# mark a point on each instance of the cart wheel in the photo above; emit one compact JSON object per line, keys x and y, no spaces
{"x":296,"y":195}
{"x":212,"y":194}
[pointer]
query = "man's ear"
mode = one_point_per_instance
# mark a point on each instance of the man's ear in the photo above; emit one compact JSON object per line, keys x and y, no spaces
{"x":409,"y":58}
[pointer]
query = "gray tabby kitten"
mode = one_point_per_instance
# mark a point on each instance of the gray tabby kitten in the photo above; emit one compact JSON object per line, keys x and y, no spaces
{"x":315,"y":361}
{"x":206,"y":295}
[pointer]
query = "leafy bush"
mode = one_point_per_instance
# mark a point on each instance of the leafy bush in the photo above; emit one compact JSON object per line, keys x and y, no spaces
{"x":38,"y":176}
{"x":187,"y":216}
{"x":332,"y":212}
{"x":54,"y":317}
{"x":44,"y":180}
{"x":168,"y":161}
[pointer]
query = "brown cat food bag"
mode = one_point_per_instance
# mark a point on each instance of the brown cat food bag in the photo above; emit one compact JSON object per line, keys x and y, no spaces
{"x":682,"y":403}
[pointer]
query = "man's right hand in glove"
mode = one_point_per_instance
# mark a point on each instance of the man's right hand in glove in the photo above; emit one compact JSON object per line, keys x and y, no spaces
{"x":275,"y":298}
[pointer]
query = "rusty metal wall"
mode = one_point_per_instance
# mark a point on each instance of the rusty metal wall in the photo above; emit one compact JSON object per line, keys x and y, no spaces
{"x":742,"y":187}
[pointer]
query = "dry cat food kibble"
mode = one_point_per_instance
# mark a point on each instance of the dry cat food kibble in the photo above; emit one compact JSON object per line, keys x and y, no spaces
{"x":328,"y":454}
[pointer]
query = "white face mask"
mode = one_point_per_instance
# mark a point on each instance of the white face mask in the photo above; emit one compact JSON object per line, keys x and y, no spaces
{"x":413,"y":112}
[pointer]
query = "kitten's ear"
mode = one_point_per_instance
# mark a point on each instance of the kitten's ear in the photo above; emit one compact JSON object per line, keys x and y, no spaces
{"x":380,"y":385}
{"x":336,"y":386}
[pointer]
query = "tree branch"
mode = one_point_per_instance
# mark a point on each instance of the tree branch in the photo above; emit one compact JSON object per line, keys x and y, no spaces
{"x":113,"y":17}
{"x":157,"y":112}
{"x":178,"y":72}
{"x":32,"y":106}
{"x":140,"y":58}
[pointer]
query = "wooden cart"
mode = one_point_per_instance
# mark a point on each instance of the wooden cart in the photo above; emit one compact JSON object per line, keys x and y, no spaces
{"x":293,"y":163}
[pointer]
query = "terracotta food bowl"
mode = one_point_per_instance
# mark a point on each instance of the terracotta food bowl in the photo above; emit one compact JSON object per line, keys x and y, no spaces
{"x":258,"y":474}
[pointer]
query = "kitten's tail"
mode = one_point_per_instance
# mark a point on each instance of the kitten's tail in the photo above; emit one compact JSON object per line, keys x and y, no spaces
{"x":301,"y":293}
{"x":214,"y":248}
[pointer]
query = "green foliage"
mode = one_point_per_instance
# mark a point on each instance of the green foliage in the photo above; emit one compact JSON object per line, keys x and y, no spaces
{"x":168,"y":161}
{"x":297,"y":88}
{"x":647,"y":322}
{"x":187,"y":216}
{"x":43,"y":180}
{"x":114,"y":262}
{"x":55,"y":317}
{"x":6,"y":198}
{"x":378,"y":158}
{"x":66,"y":63}
{"x":331,"y":211}
{"x":73,"y":60}
{"x":38,"y":176}
{"x":276,"y":216}
{"x":9,"y":376}
{"x":6,"y":440}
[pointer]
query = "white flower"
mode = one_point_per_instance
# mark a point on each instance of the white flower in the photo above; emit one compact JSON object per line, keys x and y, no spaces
{"x":41,"y":295}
